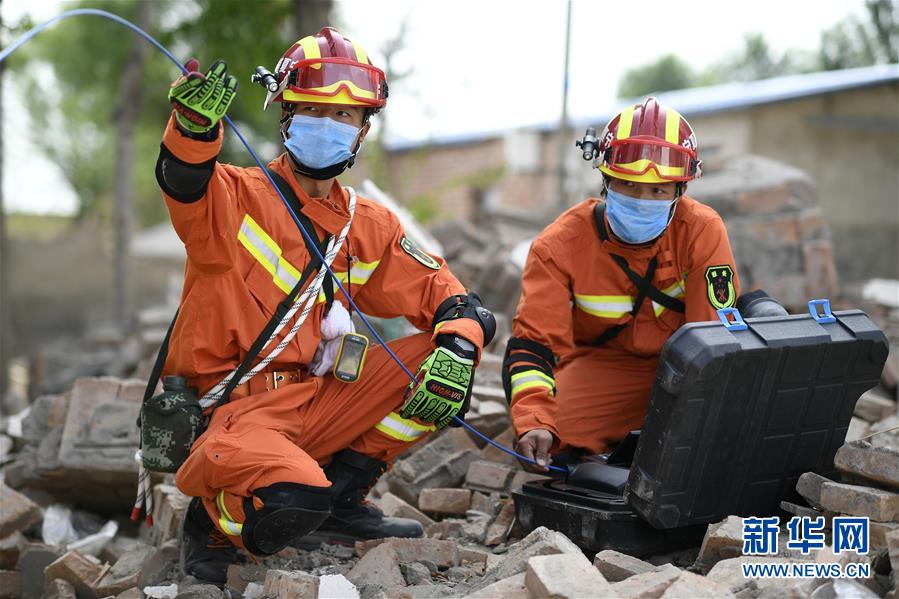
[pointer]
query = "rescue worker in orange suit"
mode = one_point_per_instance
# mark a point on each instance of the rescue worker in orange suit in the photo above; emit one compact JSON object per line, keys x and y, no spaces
{"x":293,"y":452}
{"x":605,"y":286}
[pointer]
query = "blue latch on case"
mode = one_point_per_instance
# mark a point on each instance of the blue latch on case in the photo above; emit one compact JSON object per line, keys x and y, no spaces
{"x":737,"y":325}
{"x":827,"y":316}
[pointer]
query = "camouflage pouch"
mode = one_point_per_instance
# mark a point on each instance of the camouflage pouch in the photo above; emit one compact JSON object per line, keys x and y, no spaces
{"x":170,"y":422}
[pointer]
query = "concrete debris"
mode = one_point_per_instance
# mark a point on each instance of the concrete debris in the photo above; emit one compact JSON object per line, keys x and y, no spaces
{"x":85,"y":441}
{"x":335,"y":586}
{"x":454,"y":484}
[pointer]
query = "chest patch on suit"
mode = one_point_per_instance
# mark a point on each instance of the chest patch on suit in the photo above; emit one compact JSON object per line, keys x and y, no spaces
{"x":720,"y":283}
{"x":416,"y":252}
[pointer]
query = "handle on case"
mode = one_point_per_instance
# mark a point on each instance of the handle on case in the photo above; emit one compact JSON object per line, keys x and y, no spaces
{"x":827,"y":316}
{"x":738,"y":323}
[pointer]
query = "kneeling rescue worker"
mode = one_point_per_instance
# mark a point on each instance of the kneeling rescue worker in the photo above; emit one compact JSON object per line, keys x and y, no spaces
{"x":606,"y":285}
{"x":296,"y":449}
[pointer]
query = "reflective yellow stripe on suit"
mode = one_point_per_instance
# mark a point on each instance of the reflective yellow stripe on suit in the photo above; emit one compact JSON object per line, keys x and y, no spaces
{"x":393,"y":425}
{"x":226,"y":523}
{"x":532,"y":378}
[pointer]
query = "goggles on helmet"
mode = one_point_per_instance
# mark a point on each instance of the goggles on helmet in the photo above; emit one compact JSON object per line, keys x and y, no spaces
{"x":635,"y":156}
{"x":334,"y":80}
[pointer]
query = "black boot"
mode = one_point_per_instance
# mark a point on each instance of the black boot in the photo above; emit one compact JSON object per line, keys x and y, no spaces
{"x":206,"y":551}
{"x":352,"y":475}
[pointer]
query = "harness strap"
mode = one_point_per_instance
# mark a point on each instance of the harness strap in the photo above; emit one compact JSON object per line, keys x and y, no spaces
{"x":294,"y":201}
{"x":644,"y":285}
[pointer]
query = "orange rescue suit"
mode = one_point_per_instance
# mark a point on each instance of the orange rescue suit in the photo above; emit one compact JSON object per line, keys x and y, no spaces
{"x":240,"y":240}
{"x":575,"y":288}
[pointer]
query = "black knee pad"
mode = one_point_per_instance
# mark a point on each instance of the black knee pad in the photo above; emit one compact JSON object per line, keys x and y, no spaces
{"x":290,"y":511}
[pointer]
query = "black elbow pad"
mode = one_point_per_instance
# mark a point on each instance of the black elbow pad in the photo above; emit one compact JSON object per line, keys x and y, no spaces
{"x":183,"y":181}
{"x":467,"y":306}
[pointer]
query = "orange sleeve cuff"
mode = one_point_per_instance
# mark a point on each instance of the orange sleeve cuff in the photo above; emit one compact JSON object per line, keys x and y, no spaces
{"x":463,"y":327}
{"x":191,"y":151}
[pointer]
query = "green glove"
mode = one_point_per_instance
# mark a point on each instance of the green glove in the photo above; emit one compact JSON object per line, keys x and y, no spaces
{"x":441,"y":390}
{"x":200,"y":101}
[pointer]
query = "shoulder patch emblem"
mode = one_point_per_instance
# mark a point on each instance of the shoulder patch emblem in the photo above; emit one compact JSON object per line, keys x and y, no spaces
{"x":416,"y":252}
{"x":720,"y":283}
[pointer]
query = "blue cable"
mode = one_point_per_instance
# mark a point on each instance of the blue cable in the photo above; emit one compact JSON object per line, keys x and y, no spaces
{"x":310,"y":243}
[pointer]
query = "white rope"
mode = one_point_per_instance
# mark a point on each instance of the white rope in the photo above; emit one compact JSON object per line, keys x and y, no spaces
{"x":307,"y":301}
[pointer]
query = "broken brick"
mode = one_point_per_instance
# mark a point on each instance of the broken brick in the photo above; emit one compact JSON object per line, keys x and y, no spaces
{"x":564,"y":576}
{"x":379,"y":566}
{"x":498,"y":530}
{"x":513,"y":586}
{"x":722,"y":540}
{"x":541,"y":541}
{"x":290,"y":585}
{"x":856,"y":500}
{"x":879,"y":532}
{"x":10,"y":583}
{"x":892,"y":539}
{"x":80,"y":570}
{"x":694,"y":586}
{"x":878,"y":464}
{"x":442,"y":553}
{"x":484,"y":503}
{"x":649,"y":585}
{"x":444,"y":501}
{"x":125,"y":572}
{"x":809,"y":486}
{"x":17,"y":512}
{"x":10,"y":548}
{"x":33,"y":559}
{"x":441,"y":463}
{"x":169,"y":505}
{"x":488,"y":476}
{"x":239,"y":576}
{"x":615,"y":566}
{"x":874,"y":406}
{"x":493,"y":454}
{"x":397,"y":507}
{"x":60,"y":589}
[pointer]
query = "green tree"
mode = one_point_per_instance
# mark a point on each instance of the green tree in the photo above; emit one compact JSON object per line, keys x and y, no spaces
{"x":75,"y":115}
{"x":854,"y":42}
{"x":667,"y":73}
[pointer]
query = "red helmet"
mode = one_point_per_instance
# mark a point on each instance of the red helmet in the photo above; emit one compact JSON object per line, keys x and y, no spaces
{"x":328,"y":68}
{"x":649,"y":143}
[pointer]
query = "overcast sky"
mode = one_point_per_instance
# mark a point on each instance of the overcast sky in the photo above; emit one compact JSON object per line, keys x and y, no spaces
{"x":486,"y":65}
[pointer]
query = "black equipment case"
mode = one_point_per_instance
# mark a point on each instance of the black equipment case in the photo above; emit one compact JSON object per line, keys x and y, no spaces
{"x":739,"y":411}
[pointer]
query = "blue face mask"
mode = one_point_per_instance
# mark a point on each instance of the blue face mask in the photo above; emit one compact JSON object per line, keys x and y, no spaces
{"x":320,"y":142}
{"x":637,"y":221}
